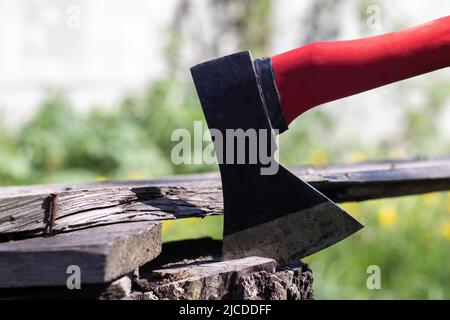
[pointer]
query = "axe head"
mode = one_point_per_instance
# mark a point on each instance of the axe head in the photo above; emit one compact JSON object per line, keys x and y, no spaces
{"x":268,"y":212}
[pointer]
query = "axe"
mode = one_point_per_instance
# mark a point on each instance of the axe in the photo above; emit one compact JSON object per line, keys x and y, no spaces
{"x":272,"y":213}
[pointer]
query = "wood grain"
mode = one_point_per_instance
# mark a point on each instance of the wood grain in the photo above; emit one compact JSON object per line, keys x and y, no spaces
{"x":103,"y":254}
{"x":190,"y":269}
{"x":27,"y":209}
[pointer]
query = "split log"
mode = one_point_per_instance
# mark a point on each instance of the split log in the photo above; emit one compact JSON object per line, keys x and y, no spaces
{"x":32,"y":211}
{"x":102,"y":255}
{"x":251,"y":278}
{"x":191,"y":270}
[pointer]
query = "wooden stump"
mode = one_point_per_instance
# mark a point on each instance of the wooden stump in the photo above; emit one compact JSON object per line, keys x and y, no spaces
{"x":190,"y":270}
{"x":251,"y":278}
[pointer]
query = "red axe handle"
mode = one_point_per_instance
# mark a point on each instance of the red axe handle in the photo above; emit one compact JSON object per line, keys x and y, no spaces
{"x":325,"y":71}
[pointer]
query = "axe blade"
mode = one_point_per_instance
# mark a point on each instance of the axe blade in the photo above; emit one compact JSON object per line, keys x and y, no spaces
{"x":271,"y":215}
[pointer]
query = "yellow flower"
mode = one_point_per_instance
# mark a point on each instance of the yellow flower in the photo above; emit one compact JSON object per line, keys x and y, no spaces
{"x":134,"y":176}
{"x":398,"y":153}
{"x":319,"y":157}
{"x":352,"y":208}
{"x":357,"y":157}
{"x":445,"y":230}
{"x":387,"y":216}
{"x":166,"y":225}
{"x":432,"y":198}
{"x":375,"y":203}
{"x":192,"y":220}
{"x":448,"y":202}
{"x":101,"y":178}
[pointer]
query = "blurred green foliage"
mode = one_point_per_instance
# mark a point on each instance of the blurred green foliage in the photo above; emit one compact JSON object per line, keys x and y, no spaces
{"x":131,"y":141}
{"x":408,"y":238}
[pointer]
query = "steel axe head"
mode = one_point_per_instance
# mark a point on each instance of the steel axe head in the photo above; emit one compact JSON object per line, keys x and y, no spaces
{"x":268,"y":211}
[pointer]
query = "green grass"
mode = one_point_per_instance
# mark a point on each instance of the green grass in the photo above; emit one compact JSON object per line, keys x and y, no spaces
{"x":407,"y":238}
{"x":193,"y":228}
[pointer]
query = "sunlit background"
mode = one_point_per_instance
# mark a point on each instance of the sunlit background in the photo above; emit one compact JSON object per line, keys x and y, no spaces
{"x":91,"y":90}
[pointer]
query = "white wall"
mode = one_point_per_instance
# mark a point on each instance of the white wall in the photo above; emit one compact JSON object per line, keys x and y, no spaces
{"x":94,"y":50}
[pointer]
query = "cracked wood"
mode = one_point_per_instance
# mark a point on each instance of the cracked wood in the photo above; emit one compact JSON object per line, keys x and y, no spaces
{"x":102,"y":254}
{"x":30,"y":210}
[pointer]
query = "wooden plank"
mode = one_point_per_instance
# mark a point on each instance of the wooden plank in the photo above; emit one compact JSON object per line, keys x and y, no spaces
{"x":86,"y":208}
{"x":116,"y":290}
{"x":28,"y":209}
{"x":103,"y":254}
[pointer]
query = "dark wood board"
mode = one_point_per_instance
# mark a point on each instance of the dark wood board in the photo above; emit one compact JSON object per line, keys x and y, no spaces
{"x":29,"y":209}
{"x":103,"y":254}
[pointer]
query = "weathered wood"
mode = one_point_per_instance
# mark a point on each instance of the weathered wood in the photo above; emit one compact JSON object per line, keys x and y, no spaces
{"x":116,"y":290}
{"x":87,"y":208}
{"x":190,"y":270}
{"x":119,"y":289}
{"x":27,"y":209}
{"x":103,"y":254}
{"x":376,"y":180}
{"x":250,"y":278}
